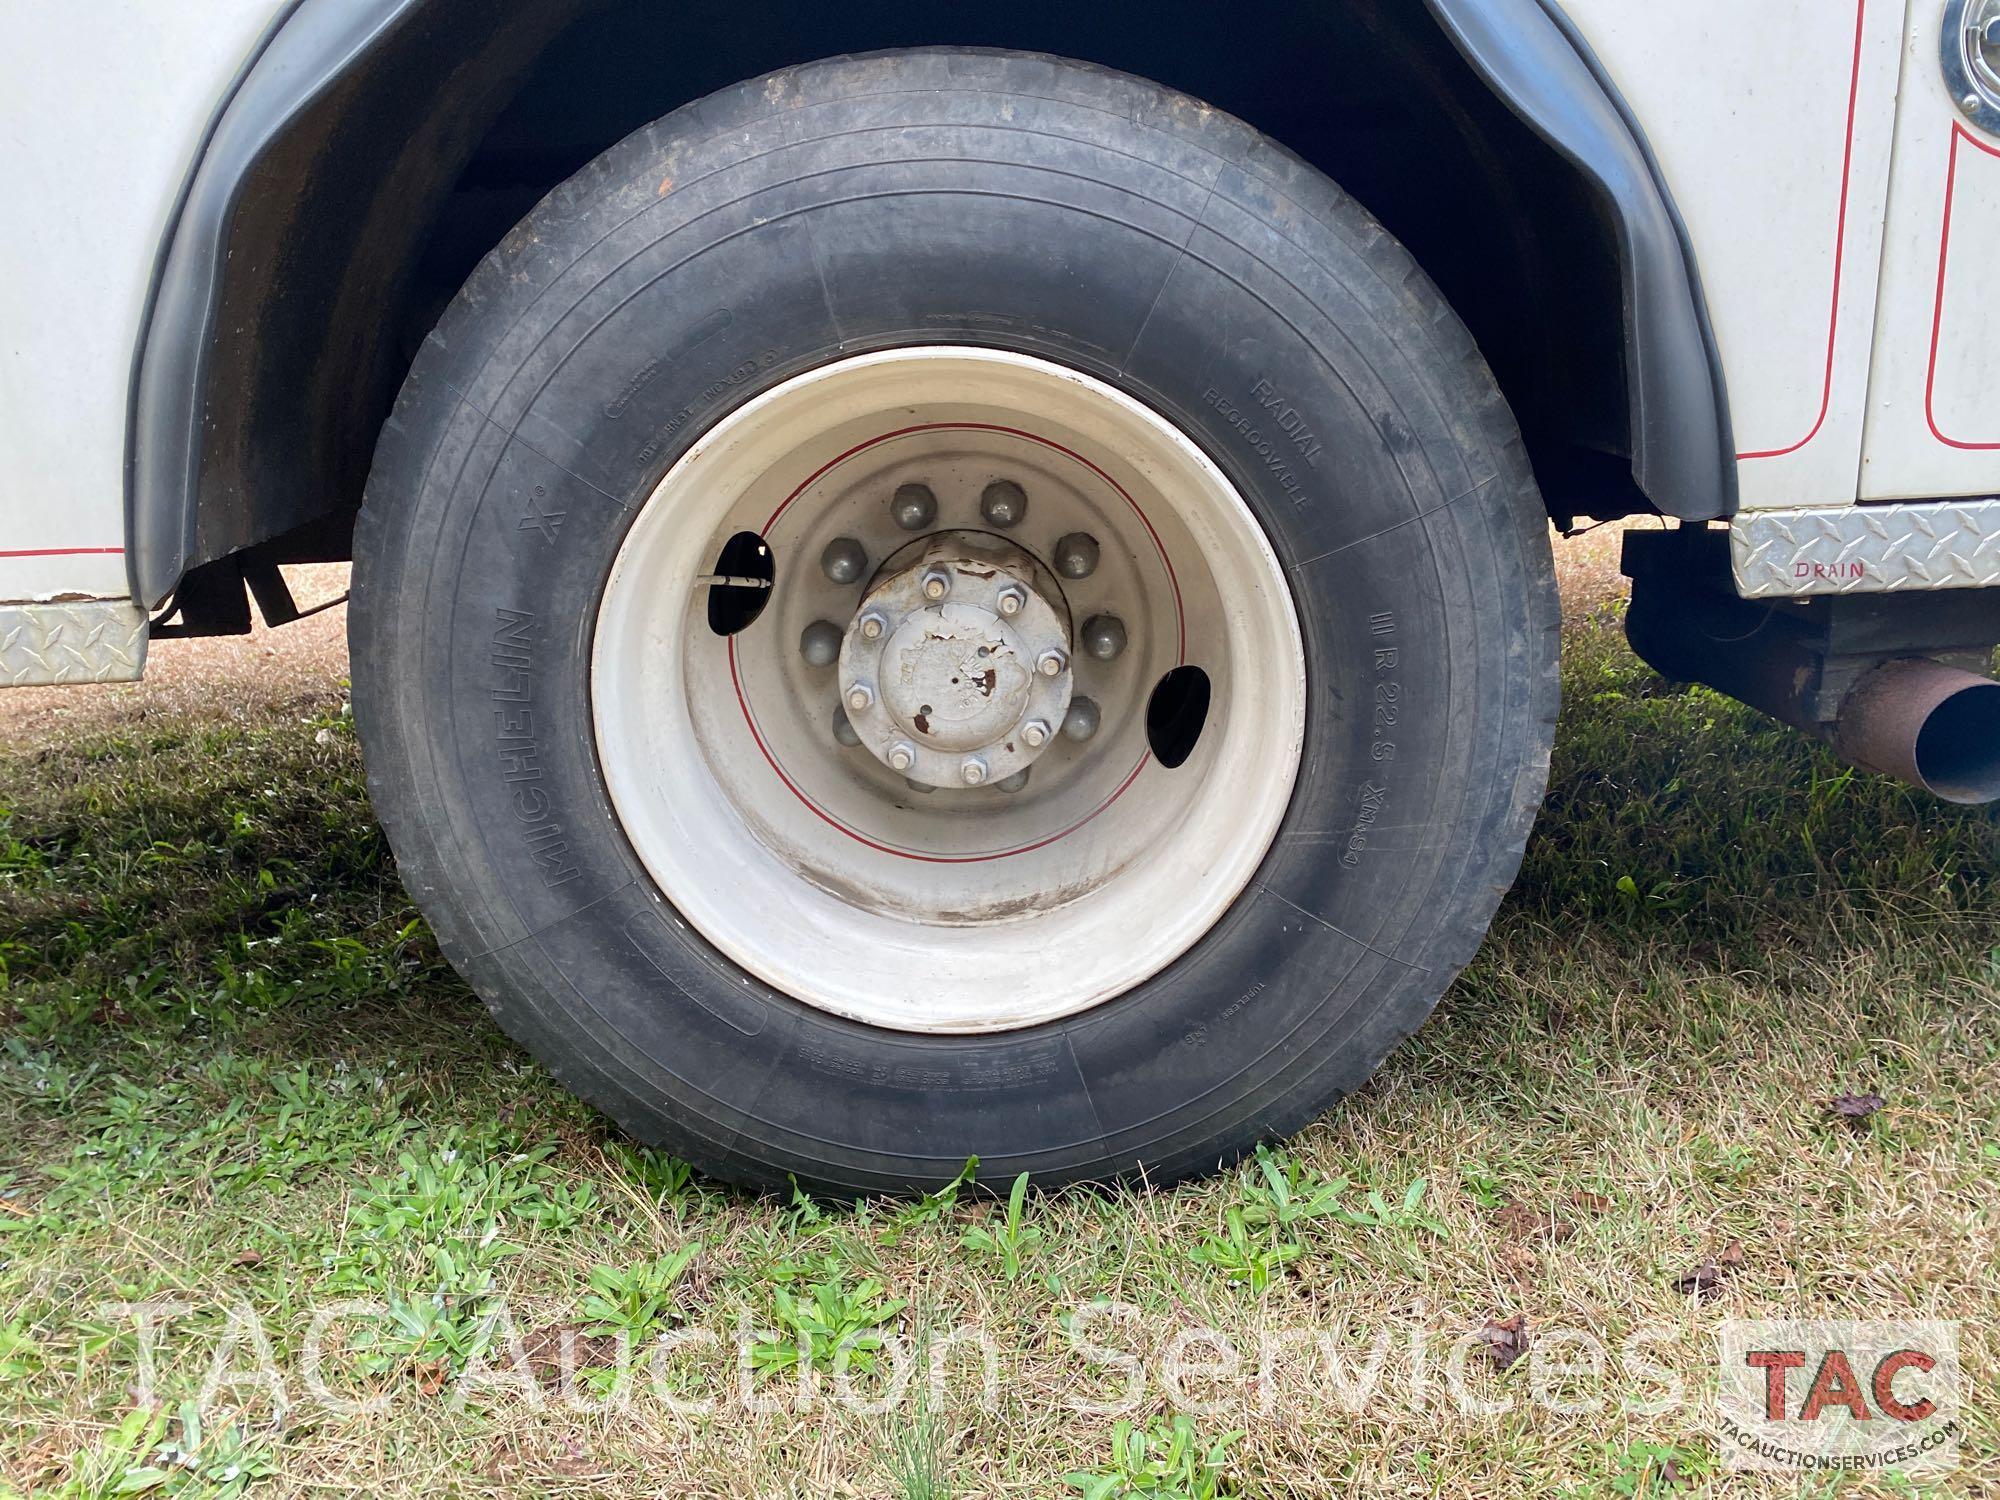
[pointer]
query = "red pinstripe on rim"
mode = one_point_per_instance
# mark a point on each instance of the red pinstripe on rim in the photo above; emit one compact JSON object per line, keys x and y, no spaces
{"x":750,"y":718}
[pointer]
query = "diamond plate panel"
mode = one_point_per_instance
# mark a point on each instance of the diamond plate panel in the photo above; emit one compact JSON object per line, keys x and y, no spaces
{"x":1866,"y":549}
{"x":91,"y":640}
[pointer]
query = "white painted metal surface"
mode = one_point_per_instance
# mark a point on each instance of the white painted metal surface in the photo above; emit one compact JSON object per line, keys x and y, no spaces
{"x":1934,"y":401}
{"x":1772,"y":123}
{"x":103,"y":104}
{"x":812,"y":864}
{"x":1776,"y":124}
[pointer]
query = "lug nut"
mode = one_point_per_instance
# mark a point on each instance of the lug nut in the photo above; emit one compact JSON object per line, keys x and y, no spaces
{"x":843,"y":730}
{"x":872,"y":626}
{"x":1104,"y":636}
{"x":973,"y":771}
{"x":1081,"y":722}
{"x":913,"y":507}
{"x":844,"y":560}
{"x":819,"y":643}
{"x":1076,"y":555}
{"x":1013,"y":599}
{"x":1012,"y":783}
{"x":937,"y":583}
{"x":1036,"y":733}
{"x":860,"y":696}
{"x":1003,"y":503}
{"x":901,"y":757}
{"x":1051,"y":663}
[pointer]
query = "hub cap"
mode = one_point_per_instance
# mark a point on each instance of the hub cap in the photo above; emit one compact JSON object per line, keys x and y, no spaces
{"x":955,"y":690}
{"x":919,"y":789}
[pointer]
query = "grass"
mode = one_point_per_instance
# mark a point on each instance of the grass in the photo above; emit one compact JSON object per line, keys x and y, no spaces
{"x":237,"y":1078}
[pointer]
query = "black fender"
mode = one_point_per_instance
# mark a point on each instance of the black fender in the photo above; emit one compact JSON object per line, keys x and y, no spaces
{"x":309,"y":46}
{"x":1532,"y":56}
{"x":1526,"y":51}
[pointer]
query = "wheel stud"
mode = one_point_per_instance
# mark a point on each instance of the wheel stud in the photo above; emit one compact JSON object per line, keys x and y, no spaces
{"x":844,"y":560}
{"x":937,"y":583}
{"x":1051,"y":663}
{"x":1004,"y":503}
{"x":819,"y":643}
{"x":860,"y":696}
{"x":1081,"y":722}
{"x":872,"y":626}
{"x":901,"y":757}
{"x":843,"y":730}
{"x":914,"y":506}
{"x":1012,"y":783}
{"x":1013,"y":599}
{"x":973,"y":771}
{"x":1036,"y":733}
{"x":1104,"y":636}
{"x":1076,"y":555}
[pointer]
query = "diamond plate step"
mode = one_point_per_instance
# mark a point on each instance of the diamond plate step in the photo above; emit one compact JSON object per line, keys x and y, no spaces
{"x":1866,"y":549}
{"x":90,"y":640}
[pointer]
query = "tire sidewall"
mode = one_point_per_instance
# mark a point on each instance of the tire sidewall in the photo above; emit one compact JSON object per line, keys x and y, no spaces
{"x":850,"y":208}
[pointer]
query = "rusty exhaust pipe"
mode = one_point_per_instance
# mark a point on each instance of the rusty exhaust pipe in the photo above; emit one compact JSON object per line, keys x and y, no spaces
{"x":1932,"y":725}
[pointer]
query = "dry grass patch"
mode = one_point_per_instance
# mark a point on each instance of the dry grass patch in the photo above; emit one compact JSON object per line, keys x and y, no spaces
{"x":237,"y":1077}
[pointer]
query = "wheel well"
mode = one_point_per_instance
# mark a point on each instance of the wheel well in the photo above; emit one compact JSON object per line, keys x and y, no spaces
{"x":364,"y":215}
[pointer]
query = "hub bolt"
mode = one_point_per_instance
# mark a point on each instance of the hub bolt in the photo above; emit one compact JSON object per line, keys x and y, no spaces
{"x":872,"y":626}
{"x":914,"y":506}
{"x":937,"y":583}
{"x":973,"y":771}
{"x":1012,"y":783}
{"x":1013,"y":599}
{"x":1003,"y":503}
{"x":1051,"y":663}
{"x":901,"y":757}
{"x":1036,"y":733}
{"x":860,"y":696}
{"x":1081,"y":722}
{"x":844,"y":731}
{"x":819,"y":643}
{"x":1104,"y":636}
{"x":1076,"y":555}
{"x":844,"y":560}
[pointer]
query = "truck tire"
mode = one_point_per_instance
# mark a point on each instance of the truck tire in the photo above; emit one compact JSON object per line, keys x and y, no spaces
{"x":954,"y":603}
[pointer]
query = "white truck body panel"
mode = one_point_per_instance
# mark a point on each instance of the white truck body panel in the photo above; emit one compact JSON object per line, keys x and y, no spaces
{"x":1772,"y":125}
{"x":1776,"y":127}
{"x":103,"y":107}
{"x":1934,"y":403}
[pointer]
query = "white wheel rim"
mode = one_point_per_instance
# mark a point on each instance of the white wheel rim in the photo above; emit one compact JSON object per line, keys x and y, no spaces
{"x":813,"y":865}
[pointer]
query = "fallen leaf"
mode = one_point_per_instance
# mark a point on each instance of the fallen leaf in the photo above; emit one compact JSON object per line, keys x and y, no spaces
{"x":1589,"y":1202}
{"x":1506,"y":1340}
{"x":1708,"y":1274}
{"x":1855,"y":1109}
{"x":430,"y":1376}
{"x":248,"y":1260}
